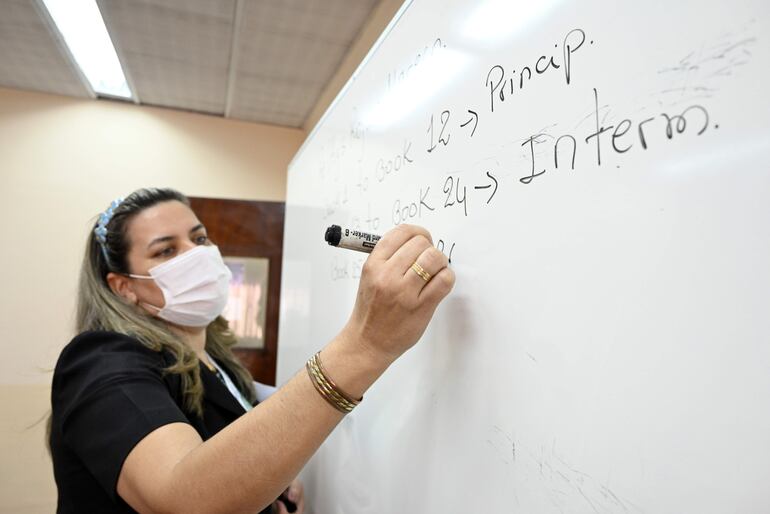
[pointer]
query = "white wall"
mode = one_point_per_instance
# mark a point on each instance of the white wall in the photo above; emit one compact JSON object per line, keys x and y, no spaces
{"x":62,"y":161}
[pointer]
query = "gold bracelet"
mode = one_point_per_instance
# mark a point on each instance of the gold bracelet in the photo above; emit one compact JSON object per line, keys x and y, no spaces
{"x":327,"y":388}
{"x":330,"y":393}
{"x":317,"y":358}
{"x":325,"y":391}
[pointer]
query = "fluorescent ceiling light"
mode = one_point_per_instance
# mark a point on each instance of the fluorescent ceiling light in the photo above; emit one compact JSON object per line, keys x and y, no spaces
{"x":82,"y":27}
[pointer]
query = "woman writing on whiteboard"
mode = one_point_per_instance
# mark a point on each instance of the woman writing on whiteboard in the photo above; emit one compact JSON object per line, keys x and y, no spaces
{"x":151,"y":411}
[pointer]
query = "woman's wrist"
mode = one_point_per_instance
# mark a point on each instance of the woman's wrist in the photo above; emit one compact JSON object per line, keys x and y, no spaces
{"x":352,"y":364}
{"x":358,"y":341}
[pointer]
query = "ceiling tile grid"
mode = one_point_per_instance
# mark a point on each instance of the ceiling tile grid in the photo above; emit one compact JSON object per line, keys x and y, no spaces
{"x":287,"y":50}
{"x":176,"y":52}
{"x":257,"y":60}
{"x":31,"y":55}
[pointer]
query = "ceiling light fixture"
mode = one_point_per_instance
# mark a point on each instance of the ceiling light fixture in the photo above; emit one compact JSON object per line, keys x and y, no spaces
{"x":81,"y":25}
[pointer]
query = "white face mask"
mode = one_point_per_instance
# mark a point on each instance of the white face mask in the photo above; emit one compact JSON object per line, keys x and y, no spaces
{"x":195,"y":286}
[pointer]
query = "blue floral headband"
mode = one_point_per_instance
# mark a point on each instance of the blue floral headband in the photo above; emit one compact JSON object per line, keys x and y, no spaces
{"x":101,"y":226}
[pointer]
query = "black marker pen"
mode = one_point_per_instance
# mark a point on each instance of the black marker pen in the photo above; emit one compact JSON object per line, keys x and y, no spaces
{"x":351,"y":239}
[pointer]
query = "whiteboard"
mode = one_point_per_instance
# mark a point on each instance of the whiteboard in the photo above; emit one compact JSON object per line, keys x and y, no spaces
{"x":599,"y":173}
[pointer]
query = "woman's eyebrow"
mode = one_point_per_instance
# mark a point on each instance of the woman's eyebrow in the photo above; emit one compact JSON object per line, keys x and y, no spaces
{"x":171,"y":238}
{"x":160,"y":240}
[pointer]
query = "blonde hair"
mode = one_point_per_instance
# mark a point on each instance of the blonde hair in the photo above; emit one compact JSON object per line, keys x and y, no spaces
{"x":99,"y":308}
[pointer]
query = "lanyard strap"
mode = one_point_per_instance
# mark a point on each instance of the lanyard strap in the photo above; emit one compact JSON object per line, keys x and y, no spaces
{"x":230,"y":386}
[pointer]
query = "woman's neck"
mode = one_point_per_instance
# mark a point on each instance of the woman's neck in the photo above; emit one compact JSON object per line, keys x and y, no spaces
{"x":194,"y":337}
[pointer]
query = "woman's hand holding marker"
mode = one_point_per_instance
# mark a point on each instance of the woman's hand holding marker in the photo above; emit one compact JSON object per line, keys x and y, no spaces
{"x":403,"y":281}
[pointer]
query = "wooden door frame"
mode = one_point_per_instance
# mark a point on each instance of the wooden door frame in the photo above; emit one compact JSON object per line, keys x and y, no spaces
{"x":248,"y":228}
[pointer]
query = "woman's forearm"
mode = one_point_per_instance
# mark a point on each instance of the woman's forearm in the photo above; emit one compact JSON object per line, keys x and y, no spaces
{"x":248,"y":464}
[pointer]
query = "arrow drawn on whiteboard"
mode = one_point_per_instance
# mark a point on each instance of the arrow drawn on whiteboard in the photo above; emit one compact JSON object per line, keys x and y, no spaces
{"x":476,"y":122}
{"x":488,"y":186}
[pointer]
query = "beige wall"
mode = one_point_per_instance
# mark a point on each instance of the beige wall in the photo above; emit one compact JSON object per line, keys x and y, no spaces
{"x":62,"y":161}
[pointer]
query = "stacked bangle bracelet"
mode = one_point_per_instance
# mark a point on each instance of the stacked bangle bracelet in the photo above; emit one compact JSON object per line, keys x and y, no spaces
{"x":327,"y":388}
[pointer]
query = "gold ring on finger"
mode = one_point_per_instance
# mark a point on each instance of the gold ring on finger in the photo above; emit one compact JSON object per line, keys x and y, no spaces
{"x":421,"y":272}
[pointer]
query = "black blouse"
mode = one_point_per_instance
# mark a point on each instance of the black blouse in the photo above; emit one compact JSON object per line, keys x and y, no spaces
{"x":108,"y":393}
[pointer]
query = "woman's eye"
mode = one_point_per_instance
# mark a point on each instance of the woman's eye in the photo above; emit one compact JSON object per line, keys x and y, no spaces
{"x":165,"y":252}
{"x":201,"y":239}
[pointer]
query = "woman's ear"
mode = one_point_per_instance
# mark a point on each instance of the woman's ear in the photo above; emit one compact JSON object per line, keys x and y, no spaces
{"x":121,"y":286}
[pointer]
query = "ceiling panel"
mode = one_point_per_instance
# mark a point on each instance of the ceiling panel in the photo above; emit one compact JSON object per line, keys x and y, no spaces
{"x":31,"y":55}
{"x":176,"y":52}
{"x":257,"y":60}
{"x":286,"y":51}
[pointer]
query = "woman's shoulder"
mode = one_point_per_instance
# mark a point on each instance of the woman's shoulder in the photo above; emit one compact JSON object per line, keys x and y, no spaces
{"x":96,"y":360}
{"x":101,"y":337}
{"x":99,"y":353}
{"x":106,"y":345}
